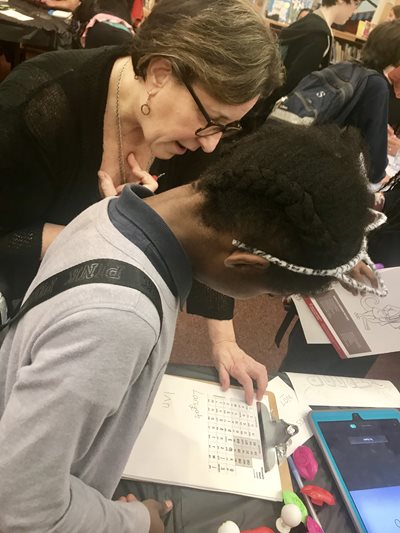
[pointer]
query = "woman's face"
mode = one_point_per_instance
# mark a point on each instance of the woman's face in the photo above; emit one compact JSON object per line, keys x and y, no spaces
{"x":170,"y":128}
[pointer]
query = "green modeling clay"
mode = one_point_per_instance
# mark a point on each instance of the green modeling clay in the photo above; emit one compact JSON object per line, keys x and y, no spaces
{"x":291,"y":497}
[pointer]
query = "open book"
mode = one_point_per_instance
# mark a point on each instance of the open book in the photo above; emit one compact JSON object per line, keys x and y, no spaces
{"x":198,"y":436}
{"x":355,"y":325}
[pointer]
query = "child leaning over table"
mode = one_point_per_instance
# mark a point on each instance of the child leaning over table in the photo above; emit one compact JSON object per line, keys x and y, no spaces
{"x":79,"y":372}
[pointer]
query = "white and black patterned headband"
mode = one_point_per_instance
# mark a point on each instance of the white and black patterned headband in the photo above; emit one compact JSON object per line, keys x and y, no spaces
{"x":340,"y":272}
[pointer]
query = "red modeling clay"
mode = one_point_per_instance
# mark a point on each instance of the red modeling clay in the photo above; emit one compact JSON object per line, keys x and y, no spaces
{"x":318,"y":495}
{"x":305,"y":462}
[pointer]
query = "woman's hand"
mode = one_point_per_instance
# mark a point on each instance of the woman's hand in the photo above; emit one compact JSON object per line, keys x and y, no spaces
{"x":141,"y":177}
{"x":230,"y":360}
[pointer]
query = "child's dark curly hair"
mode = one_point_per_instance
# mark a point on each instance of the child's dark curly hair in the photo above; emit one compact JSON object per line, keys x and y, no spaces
{"x":297,"y":193}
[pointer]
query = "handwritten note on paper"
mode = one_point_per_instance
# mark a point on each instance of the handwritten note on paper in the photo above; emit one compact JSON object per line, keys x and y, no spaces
{"x":291,"y":410}
{"x":198,"y":436}
{"x":339,"y":391}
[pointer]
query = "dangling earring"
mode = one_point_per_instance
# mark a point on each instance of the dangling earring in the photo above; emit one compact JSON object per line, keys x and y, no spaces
{"x":145,"y":108}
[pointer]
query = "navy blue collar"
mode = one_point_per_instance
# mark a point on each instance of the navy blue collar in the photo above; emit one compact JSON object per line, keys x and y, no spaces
{"x":139,"y":223}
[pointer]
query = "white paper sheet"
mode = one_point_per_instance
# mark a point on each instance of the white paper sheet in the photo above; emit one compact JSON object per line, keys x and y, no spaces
{"x":198,"y":436}
{"x":292,"y":410}
{"x":313,"y":332}
{"x":12,"y":13}
{"x":338,"y":391}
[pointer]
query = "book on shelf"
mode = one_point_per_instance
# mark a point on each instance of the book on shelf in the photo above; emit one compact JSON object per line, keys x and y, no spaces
{"x":343,"y":51}
{"x":355,"y":325}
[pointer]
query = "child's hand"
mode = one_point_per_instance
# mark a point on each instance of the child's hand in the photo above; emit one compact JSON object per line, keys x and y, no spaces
{"x":157,"y":511}
{"x":364,"y":274}
{"x":128,"y":498}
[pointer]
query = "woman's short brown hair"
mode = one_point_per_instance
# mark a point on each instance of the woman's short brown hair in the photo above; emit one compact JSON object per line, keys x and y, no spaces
{"x":224,"y":45}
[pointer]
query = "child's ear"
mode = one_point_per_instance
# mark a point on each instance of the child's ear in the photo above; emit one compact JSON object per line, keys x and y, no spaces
{"x":240,"y":259}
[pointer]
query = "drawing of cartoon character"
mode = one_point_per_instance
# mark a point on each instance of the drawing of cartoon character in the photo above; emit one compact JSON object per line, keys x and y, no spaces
{"x":388,"y":314}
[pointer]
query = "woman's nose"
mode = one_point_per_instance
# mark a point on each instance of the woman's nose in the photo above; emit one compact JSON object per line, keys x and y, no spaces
{"x":209,"y":143}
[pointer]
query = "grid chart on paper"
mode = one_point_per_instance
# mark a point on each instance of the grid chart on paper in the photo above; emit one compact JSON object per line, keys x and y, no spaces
{"x":233,"y":437}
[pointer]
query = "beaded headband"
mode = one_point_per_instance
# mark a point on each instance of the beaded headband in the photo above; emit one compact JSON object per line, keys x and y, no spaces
{"x":340,"y":272}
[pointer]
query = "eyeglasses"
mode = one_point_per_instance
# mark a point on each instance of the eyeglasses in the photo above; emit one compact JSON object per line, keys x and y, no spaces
{"x":212,"y":127}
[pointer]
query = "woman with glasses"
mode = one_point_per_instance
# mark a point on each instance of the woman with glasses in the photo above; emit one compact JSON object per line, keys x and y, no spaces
{"x":186,"y":81}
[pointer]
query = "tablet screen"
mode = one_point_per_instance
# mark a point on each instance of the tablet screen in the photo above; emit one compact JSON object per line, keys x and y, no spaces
{"x":367,"y":455}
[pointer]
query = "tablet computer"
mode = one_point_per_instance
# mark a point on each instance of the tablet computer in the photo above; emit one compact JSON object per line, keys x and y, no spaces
{"x":362,"y":448}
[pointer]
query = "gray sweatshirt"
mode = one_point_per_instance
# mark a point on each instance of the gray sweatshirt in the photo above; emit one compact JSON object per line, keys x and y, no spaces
{"x":78,"y":375}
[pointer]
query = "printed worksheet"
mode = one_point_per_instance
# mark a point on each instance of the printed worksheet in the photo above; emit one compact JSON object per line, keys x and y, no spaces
{"x":338,"y":391}
{"x":198,"y":436}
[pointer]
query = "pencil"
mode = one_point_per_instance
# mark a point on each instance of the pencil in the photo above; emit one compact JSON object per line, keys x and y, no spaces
{"x":299,"y":482}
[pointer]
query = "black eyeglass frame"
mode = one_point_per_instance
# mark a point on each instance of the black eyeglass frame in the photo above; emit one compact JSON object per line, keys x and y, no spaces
{"x":225,"y":129}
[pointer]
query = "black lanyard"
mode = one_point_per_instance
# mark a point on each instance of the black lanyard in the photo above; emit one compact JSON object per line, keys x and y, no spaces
{"x":108,"y":271}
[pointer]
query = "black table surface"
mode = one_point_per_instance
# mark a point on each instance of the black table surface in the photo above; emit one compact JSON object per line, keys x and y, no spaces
{"x":42,"y":31}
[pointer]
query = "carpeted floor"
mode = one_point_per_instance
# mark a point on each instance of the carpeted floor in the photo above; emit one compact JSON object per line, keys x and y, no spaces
{"x":256,"y":322}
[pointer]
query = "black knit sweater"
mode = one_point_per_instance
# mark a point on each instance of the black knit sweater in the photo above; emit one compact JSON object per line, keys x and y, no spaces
{"x":51,"y":142}
{"x":51,"y":137}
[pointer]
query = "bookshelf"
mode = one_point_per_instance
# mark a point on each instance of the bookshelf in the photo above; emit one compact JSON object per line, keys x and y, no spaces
{"x":346,"y":46}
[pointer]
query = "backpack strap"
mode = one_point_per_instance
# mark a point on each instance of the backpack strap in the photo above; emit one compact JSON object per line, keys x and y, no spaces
{"x":108,"y":271}
{"x":287,"y":320}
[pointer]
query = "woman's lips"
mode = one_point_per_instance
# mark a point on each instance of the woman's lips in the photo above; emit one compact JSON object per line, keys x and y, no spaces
{"x":182,"y":149}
